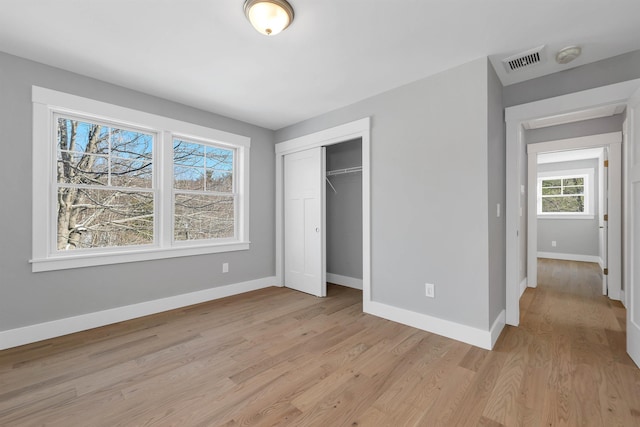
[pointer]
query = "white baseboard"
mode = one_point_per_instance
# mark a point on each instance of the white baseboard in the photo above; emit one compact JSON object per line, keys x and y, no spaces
{"x":523,"y":286}
{"x":615,"y":294}
{"x":570,"y":257}
{"x":56,"y":328}
{"x":446,"y":328}
{"x":350,"y":282}
{"x":497,"y":327}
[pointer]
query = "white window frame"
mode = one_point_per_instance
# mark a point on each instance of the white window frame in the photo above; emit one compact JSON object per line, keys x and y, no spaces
{"x":587,"y":174}
{"x":46,"y":257}
{"x":234,"y":193}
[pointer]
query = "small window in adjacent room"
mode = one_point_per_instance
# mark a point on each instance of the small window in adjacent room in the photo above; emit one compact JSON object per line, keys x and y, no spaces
{"x":115,"y":185}
{"x":565,"y":194}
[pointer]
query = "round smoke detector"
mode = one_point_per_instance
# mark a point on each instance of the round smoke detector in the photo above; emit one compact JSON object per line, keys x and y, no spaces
{"x":568,"y":54}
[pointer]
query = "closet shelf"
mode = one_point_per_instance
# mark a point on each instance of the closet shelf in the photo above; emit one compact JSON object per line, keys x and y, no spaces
{"x":343,"y":171}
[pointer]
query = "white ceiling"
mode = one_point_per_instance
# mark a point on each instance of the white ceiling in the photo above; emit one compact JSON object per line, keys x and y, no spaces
{"x":204,"y":53}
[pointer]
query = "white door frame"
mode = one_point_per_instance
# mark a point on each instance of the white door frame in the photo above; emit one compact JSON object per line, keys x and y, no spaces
{"x":335,"y":135}
{"x":613,"y":141}
{"x":515,"y":117}
{"x":632,"y":232}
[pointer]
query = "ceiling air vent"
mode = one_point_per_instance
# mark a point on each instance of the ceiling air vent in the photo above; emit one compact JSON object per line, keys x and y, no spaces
{"x":523,"y":60}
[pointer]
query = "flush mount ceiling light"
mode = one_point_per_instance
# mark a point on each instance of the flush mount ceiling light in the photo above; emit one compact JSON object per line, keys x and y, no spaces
{"x":568,"y":54}
{"x":268,"y":17}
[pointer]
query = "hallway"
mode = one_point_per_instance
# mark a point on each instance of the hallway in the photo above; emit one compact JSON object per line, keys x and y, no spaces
{"x":568,"y":356}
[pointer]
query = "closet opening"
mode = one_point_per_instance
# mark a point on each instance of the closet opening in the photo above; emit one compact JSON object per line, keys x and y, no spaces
{"x":323,"y":192}
{"x":343,"y":213}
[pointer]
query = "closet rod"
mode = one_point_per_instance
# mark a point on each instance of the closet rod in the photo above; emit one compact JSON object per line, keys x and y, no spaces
{"x":343,"y":171}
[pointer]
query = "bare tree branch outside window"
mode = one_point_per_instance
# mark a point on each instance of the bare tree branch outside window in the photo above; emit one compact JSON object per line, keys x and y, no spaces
{"x":205,"y":201}
{"x":105,"y":186}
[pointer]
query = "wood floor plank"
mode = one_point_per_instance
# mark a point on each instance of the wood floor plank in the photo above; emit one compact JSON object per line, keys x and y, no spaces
{"x":480,"y":391}
{"x":280,"y":357}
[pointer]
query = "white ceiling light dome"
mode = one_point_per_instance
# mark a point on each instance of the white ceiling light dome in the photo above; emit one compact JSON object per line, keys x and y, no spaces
{"x":568,"y":54}
{"x":269,"y":17}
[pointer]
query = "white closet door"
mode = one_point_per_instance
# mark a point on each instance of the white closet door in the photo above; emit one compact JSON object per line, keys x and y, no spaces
{"x":304,"y":252}
{"x":633,"y":305}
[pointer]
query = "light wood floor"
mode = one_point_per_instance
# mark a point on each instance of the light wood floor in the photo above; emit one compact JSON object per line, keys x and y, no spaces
{"x":279,"y":357}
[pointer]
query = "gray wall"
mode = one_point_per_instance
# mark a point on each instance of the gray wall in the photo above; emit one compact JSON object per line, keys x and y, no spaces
{"x":575,"y":130}
{"x":344,"y":211}
{"x":573,"y":236}
{"x":496,"y":159}
{"x":28,"y":298}
{"x":429,"y":188}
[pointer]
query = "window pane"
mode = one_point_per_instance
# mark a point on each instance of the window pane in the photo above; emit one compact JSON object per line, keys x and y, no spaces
{"x":219,"y":169}
{"x":573,"y":181}
{"x":551,"y":191}
{"x":90,"y":218}
{"x":219,"y":158}
{"x":551,"y":183}
{"x":221,"y":181}
{"x":192,"y":161}
{"x":187,"y":153}
{"x":131,"y":145}
{"x":578,"y":189}
{"x":188,"y":178}
{"x":571,"y":204}
{"x":82,"y":137}
{"x":76,"y":168}
{"x":203,"y":217}
{"x":85,"y":149}
{"x":131,"y":173}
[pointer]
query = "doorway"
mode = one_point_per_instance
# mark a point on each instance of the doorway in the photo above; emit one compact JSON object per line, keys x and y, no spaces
{"x":592,"y":216}
{"x":344,"y":214}
{"x":562,"y":109}
{"x":571,"y":212}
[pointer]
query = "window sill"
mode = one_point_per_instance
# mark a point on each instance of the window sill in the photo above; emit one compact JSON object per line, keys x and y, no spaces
{"x":94,"y":259}
{"x":565,"y":216}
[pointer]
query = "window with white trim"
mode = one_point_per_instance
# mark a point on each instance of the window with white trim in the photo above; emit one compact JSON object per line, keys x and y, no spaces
{"x":104,"y":187}
{"x":204,"y":195}
{"x":115,"y":185}
{"x":565,"y":193}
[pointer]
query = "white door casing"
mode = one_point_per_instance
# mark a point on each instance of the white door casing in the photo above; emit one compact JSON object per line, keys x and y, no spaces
{"x":558,"y":107}
{"x":335,"y":135}
{"x":603,"y":185}
{"x":304,"y":252}
{"x":633,"y":215}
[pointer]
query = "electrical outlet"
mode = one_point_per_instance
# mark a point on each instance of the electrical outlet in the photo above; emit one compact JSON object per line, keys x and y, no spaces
{"x":430,"y":290}
{"x":225,"y":267}
{"x":553,"y":243}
